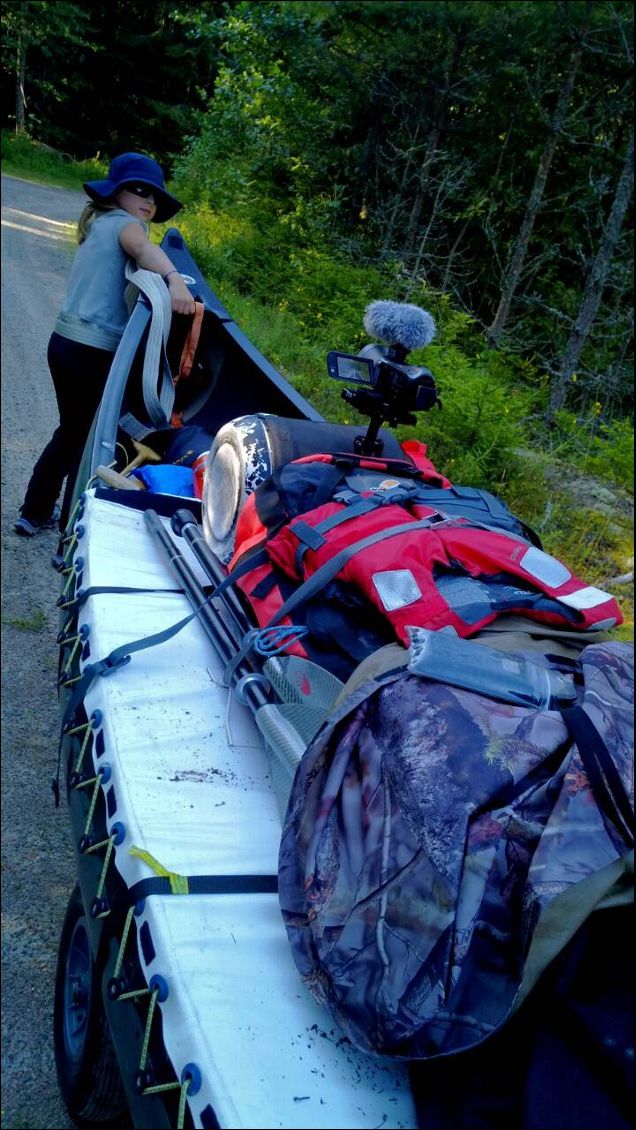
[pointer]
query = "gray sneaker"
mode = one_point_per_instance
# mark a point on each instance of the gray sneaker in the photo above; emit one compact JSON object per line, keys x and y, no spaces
{"x":27,"y":527}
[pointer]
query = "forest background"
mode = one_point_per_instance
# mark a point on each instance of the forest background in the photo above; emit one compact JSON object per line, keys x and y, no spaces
{"x":474,"y":158}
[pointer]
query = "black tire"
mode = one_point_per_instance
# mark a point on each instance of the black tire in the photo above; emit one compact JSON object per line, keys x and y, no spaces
{"x":87,"y":1069}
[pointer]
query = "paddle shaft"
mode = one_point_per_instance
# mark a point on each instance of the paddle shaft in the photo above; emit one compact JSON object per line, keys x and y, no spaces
{"x":185,"y":525}
{"x":226,"y":645}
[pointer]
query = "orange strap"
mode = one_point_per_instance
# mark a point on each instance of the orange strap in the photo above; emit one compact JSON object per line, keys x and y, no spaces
{"x":190,"y":344}
{"x":188,"y":354}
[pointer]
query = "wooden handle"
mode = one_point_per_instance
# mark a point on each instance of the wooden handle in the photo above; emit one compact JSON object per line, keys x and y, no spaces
{"x":114,"y":479}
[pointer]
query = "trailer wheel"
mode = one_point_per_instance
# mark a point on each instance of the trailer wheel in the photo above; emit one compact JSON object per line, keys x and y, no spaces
{"x":87,"y":1068}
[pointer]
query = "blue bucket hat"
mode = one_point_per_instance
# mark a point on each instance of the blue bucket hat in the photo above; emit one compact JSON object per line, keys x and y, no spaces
{"x":135,"y":168}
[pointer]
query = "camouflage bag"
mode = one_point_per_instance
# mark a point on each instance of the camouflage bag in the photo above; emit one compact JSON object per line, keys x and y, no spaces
{"x":440,"y":849}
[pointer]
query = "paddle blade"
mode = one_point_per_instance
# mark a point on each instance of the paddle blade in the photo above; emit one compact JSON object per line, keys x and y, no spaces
{"x":298,"y":680}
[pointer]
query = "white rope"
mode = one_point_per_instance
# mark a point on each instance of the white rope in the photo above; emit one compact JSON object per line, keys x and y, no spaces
{"x":157,"y":383}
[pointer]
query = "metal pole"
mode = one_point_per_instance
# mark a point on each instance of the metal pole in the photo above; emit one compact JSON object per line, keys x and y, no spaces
{"x":225,"y":643}
{"x":185,"y":525}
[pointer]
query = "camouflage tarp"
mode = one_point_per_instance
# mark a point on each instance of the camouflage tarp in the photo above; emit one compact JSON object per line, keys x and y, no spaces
{"x":432,"y":835}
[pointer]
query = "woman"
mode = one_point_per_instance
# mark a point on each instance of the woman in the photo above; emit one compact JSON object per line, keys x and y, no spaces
{"x":112,"y":229}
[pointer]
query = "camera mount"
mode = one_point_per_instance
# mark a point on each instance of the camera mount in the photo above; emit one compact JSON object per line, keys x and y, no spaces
{"x":388,"y":390}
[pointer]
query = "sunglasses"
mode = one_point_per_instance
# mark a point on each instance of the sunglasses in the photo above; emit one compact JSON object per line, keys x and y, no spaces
{"x":143,"y":190}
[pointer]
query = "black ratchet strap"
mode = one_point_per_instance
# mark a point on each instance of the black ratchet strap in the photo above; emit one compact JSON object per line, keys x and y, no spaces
{"x":605,"y":781}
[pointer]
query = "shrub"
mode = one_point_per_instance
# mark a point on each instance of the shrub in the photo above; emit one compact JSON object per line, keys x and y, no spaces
{"x":24,"y":157}
{"x":611,"y":453}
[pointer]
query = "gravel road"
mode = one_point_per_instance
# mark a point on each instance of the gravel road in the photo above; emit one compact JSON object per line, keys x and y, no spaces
{"x":37,"y":856}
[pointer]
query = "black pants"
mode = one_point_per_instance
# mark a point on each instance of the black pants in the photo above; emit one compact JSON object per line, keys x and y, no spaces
{"x":79,"y":375}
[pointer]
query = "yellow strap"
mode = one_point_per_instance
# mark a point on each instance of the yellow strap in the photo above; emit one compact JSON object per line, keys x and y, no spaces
{"x":178,"y":883}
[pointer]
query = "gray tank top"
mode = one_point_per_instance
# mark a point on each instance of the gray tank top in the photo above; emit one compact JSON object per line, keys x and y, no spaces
{"x":94,"y":311}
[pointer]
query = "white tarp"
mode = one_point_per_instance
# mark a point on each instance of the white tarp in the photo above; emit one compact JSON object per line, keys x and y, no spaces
{"x":190,"y":784}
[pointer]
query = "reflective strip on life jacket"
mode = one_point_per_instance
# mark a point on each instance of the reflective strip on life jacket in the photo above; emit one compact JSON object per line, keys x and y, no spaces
{"x":586,"y":598}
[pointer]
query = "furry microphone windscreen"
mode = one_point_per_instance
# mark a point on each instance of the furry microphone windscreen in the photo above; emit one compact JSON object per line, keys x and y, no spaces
{"x":399,"y":323}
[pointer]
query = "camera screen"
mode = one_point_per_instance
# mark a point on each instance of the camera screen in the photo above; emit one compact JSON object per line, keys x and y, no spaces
{"x":346,"y":367}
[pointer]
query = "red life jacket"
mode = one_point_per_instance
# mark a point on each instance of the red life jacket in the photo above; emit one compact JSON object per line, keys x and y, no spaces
{"x":418,"y":554}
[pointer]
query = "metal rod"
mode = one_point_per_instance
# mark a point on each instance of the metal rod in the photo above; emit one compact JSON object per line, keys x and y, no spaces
{"x":226,"y":645}
{"x":185,"y":525}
